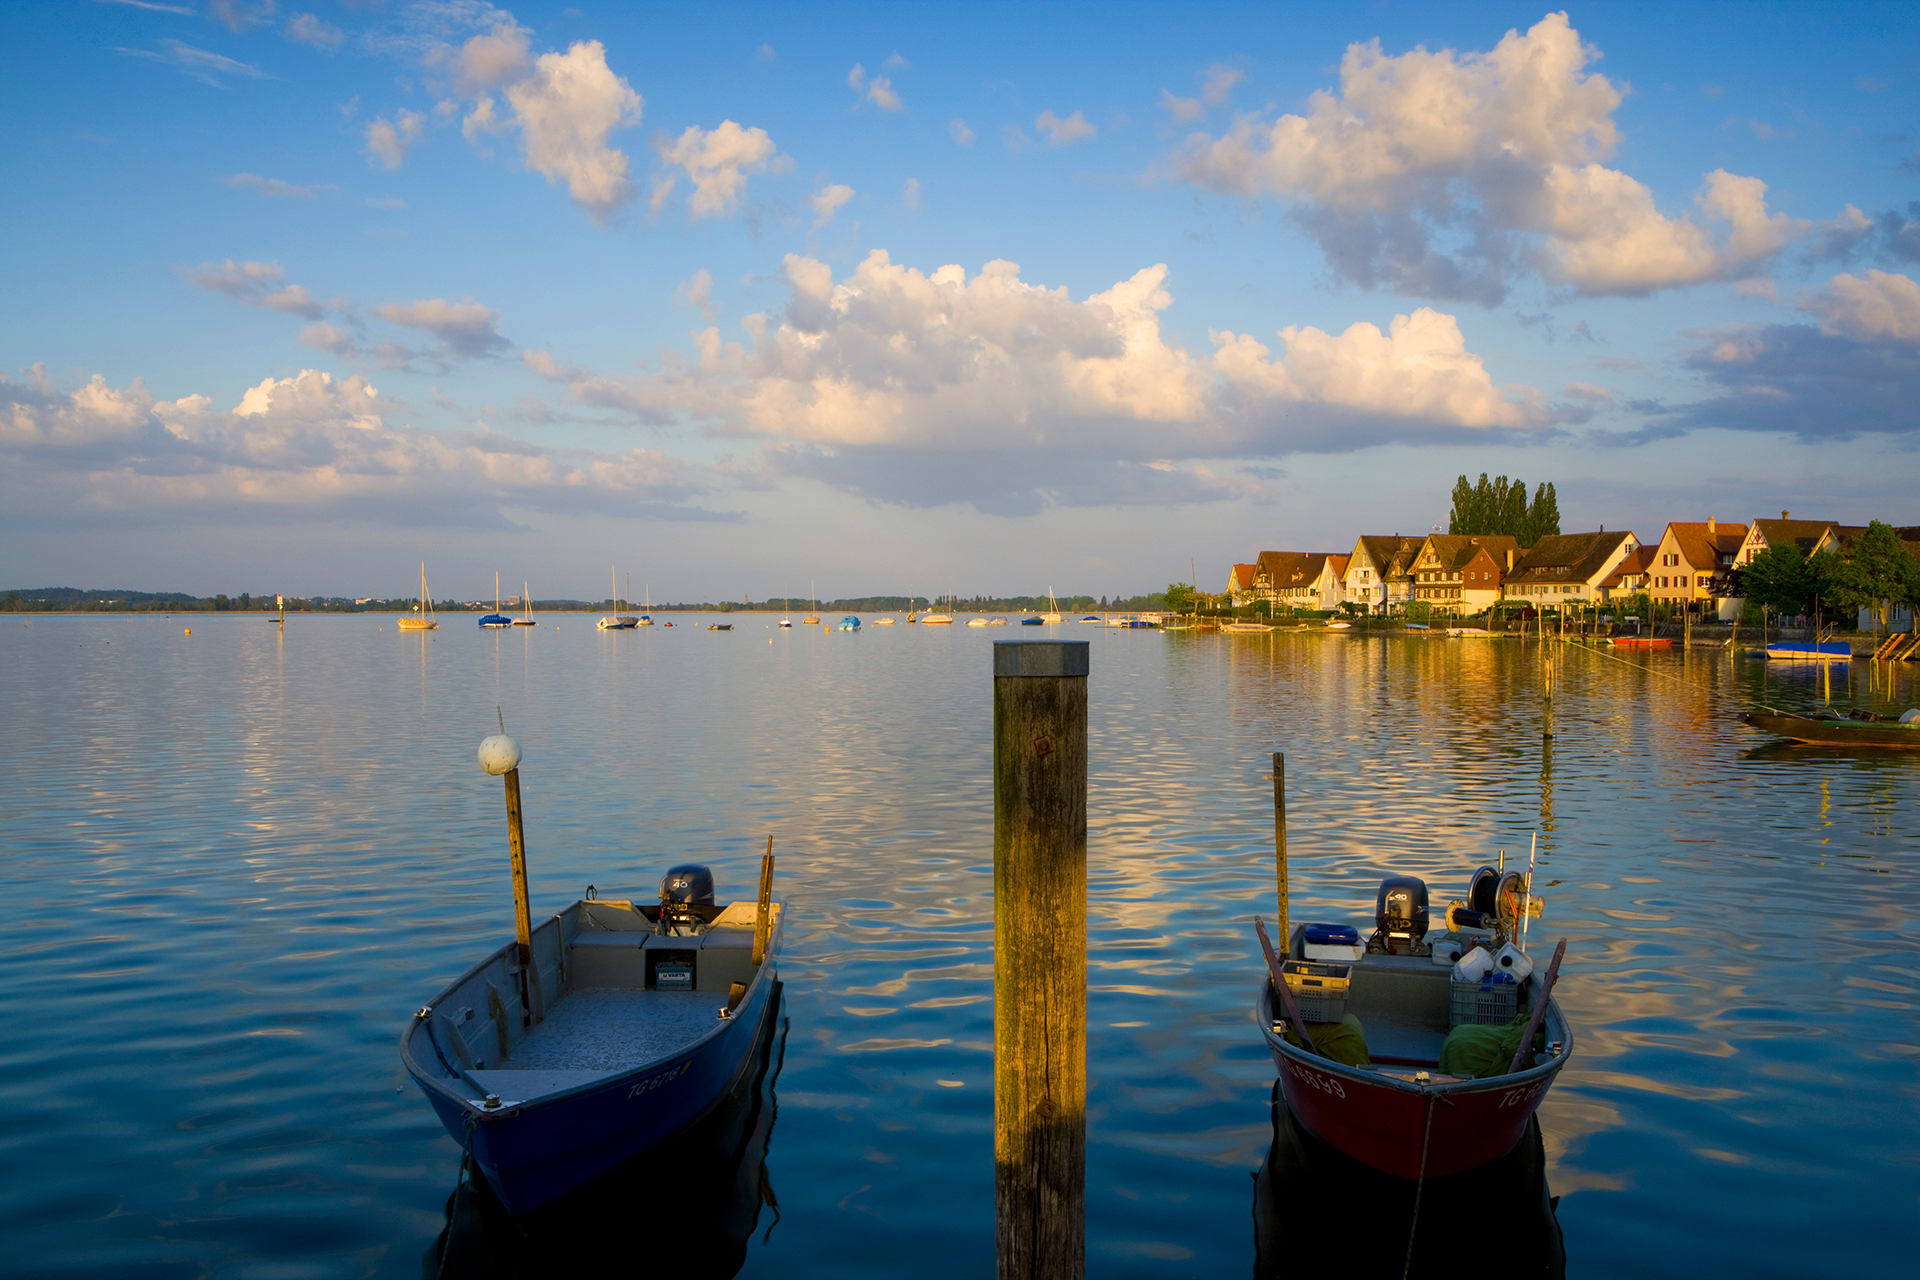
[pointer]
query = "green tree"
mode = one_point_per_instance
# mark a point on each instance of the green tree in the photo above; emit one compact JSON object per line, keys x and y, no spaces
{"x":1499,"y":506}
{"x":1780,"y":579}
{"x":1180,"y":597}
{"x":1877,"y":573}
{"x":1542,"y":518}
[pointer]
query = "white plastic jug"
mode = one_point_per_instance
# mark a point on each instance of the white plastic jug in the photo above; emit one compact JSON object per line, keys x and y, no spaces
{"x":1514,"y":961}
{"x":1473,"y":966}
{"x":1447,"y":949}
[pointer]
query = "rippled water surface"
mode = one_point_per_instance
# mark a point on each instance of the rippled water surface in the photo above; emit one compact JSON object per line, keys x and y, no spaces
{"x":237,"y":861}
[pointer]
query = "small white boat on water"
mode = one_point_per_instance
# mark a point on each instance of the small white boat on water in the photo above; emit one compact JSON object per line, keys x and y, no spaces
{"x":1250,"y":628}
{"x":526,"y":603}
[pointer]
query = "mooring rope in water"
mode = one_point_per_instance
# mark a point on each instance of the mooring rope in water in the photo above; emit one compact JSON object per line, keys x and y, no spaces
{"x":1637,"y":667}
{"x":1419,"y":1185}
{"x":453,"y":1205}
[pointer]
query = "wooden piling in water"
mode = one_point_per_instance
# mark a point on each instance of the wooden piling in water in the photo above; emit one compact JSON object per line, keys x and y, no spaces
{"x":1040,"y":958}
{"x":1280,"y":840}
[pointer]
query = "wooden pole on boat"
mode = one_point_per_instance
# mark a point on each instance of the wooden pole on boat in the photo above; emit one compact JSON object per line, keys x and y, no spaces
{"x":500,"y":756}
{"x":1539,"y":1007}
{"x":763,"y":917}
{"x":1280,"y":839}
{"x":1040,"y":958}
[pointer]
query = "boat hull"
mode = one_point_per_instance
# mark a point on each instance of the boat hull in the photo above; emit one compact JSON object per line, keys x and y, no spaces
{"x":532,"y":1152}
{"x":538,"y":1152}
{"x":1837,"y":733}
{"x":1807,"y":651}
{"x":1383,"y":1121}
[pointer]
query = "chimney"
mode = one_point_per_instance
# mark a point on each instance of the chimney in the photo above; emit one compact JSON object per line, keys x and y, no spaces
{"x":1783,"y":515}
{"x":1509,"y":559}
{"x":1709,"y":524}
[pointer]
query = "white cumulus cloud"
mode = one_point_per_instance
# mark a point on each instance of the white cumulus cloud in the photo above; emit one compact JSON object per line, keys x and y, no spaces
{"x":1062,"y":131}
{"x":1446,"y":173}
{"x":717,"y":162}
{"x":311,"y":445}
{"x":895,"y":382}
{"x":827,"y":201}
{"x":565,"y":111}
{"x":389,"y":140}
{"x":1878,"y":305}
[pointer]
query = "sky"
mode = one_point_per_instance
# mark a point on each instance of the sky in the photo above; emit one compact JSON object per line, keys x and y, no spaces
{"x":754,"y":301}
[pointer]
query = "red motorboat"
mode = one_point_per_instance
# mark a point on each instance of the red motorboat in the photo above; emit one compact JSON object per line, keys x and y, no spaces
{"x":1641,"y":642}
{"x":1398,"y":1113}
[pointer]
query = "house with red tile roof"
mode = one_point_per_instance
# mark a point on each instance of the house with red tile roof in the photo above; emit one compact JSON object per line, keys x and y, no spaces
{"x":1462,"y":573}
{"x":1691,"y":564}
{"x":1300,"y":579}
{"x":1567,"y":568}
{"x":1240,"y":585}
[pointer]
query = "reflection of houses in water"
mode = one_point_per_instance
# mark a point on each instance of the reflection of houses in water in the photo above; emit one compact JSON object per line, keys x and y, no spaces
{"x":1499,"y":1217}
{"x":688,"y":1207}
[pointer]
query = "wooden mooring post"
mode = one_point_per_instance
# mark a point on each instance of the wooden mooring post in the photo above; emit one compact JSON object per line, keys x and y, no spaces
{"x":1280,"y":839}
{"x":500,"y":756}
{"x":1040,"y":959}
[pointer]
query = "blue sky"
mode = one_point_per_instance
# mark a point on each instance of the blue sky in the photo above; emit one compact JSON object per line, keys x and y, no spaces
{"x":927,"y":299}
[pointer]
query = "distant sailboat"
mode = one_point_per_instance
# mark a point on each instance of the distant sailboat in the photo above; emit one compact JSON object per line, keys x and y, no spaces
{"x":423,"y":619}
{"x":526,"y":603}
{"x":496,"y":620}
{"x":646,"y":612}
{"x":616,"y":621}
{"x":1053,"y":608}
{"x":932,"y":619}
{"x":813,"y":619}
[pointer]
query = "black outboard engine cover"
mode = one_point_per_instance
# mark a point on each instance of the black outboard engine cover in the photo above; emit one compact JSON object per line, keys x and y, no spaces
{"x":1400,"y":910}
{"x":683,"y":888}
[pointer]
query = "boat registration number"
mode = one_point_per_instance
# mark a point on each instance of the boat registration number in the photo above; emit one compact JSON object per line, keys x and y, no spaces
{"x":1520,"y":1097}
{"x":1314,"y":1080}
{"x":655,"y":1081}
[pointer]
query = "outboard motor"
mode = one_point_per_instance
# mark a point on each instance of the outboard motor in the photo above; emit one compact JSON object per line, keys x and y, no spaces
{"x":682,"y":889}
{"x":1400,"y":912}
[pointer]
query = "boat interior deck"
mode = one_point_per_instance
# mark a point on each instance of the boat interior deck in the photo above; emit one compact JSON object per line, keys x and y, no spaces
{"x":1403,"y":1004}
{"x":609,"y":995}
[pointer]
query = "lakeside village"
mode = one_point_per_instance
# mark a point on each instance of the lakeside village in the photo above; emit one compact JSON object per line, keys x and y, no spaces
{"x":1502,"y":563}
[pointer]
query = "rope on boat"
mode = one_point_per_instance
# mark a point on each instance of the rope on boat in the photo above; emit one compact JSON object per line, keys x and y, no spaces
{"x":1419,"y":1185}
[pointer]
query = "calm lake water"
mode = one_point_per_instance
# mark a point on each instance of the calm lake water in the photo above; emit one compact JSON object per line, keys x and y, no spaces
{"x":238,"y":861}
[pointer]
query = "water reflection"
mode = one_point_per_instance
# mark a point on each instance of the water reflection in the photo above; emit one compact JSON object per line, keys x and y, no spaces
{"x":689,"y":1207}
{"x":1307,"y":1196}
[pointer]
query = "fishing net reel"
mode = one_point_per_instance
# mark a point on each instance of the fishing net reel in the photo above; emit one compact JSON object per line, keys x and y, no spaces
{"x":1495,"y":900}
{"x":683,"y":891}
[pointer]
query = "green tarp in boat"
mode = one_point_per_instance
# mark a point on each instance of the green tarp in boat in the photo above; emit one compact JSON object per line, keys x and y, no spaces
{"x":1483,"y":1051}
{"x":1344,"y":1041}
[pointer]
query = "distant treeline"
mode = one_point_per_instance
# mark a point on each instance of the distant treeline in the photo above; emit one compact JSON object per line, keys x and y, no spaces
{"x":75,"y":600}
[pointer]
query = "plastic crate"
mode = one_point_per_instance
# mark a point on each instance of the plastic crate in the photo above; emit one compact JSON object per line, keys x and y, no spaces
{"x":1482,"y":1004}
{"x":1319,"y":990}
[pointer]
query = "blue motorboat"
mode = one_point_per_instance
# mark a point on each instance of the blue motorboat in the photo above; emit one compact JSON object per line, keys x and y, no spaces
{"x":1033,"y":622}
{"x":625,"y":1024}
{"x":496,"y":620}
{"x":1811,"y":651}
{"x":849,"y":623}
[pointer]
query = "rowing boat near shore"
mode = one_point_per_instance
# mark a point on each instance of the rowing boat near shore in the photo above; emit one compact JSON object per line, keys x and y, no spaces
{"x":1858,"y":729}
